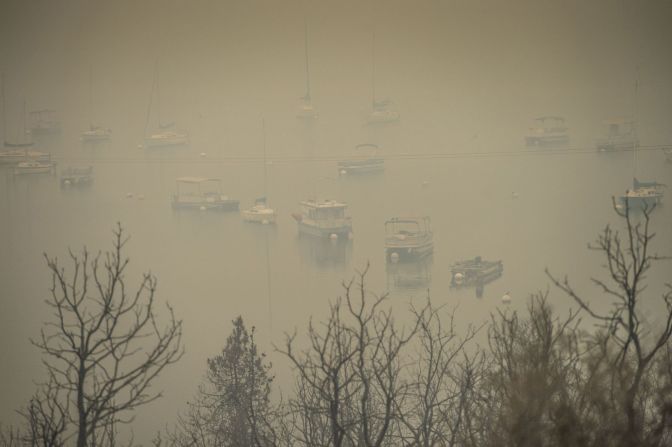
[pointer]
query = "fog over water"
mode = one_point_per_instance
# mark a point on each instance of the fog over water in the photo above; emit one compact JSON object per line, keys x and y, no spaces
{"x":468,"y":78}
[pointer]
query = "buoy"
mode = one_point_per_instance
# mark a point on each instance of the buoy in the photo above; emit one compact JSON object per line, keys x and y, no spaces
{"x":506,"y":299}
{"x":203,"y":154}
{"x":141,"y":197}
{"x":129,"y":195}
{"x":202,"y":208}
{"x":394,"y":257}
{"x":333,"y":236}
{"x":265,"y":222}
{"x":343,"y":172}
{"x":140,"y":146}
{"x":66,"y":182}
{"x":514,"y":195}
{"x":459,"y":277}
{"x":425,"y":184}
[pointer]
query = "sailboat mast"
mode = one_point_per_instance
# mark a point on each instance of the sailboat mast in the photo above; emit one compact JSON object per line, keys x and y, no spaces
{"x":373,"y":68}
{"x":91,"y":96}
{"x":4,"y":119}
{"x":634,"y":149}
{"x":151,"y":96}
{"x":263,"y":132}
{"x":305,"y":42}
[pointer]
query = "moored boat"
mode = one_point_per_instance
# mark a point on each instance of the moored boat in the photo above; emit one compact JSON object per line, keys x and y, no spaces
{"x":361,"y":165}
{"x":643,"y":195}
{"x":475,"y":272}
{"x":33,"y":167}
{"x":166,"y":138}
{"x":259,"y":213}
{"x":551,"y":130}
{"x":203,"y":194}
{"x":408,"y":238}
{"x":621,"y":135}
{"x":77,"y":176}
{"x":324,"y":219}
{"x":96,"y":134}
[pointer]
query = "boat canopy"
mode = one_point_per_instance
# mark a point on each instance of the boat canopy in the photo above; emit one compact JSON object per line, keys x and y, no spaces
{"x":196,"y":180}
{"x":550,"y":118}
{"x":636,"y":184}
{"x":323,"y":204}
{"x":366,"y":146}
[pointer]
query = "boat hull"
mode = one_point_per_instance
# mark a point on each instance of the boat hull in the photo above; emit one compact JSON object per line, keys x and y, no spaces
{"x":470,"y":273}
{"x":409,"y":253}
{"x":256,"y":217}
{"x":641,"y":203}
{"x":324,"y":232}
{"x":31,"y":171}
{"x":547,"y":140}
{"x":222,"y":205}
{"x":167,"y":142}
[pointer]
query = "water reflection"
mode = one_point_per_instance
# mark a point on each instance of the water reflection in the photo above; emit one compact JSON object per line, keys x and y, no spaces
{"x":411,"y":275}
{"x":325,"y":253}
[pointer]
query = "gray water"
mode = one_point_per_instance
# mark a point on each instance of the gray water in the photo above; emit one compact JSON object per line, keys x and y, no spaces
{"x":467,"y":78}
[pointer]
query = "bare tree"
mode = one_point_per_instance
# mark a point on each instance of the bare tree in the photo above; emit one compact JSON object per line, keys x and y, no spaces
{"x":628,"y":259}
{"x":431,"y":410}
{"x":46,"y":417}
{"x":351,"y":373}
{"x":104,"y":346}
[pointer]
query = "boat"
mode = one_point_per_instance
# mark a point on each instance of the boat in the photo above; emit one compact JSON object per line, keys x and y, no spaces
{"x":408,"y":238}
{"x":383,"y":110}
{"x":166,"y":138}
{"x":621,"y":135}
{"x":261,"y":212}
{"x":306,"y":109}
{"x":14,"y":153}
{"x":33,"y":167}
{"x":324,"y":219}
{"x":202,"y":193}
{"x":642,"y":196}
{"x":44,"y":122}
{"x":95,"y":133}
{"x":165,"y":135}
{"x":366,"y":165}
{"x":550,"y":130}
{"x":15,"y":156}
{"x":475,"y":272}
{"x":77,"y":176}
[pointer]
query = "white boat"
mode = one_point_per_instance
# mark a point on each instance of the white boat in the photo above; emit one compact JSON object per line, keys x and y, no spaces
{"x":324,"y":219}
{"x":77,"y":176}
{"x":15,"y":156}
{"x":259,"y":213}
{"x":33,"y":167}
{"x":306,"y":109}
{"x":202,"y":194}
{"x":44,"y":122}
{"x":621,"y":135}
{"x":166,"y":138}
{"x":408,"y":238}
{"x":383,"y":110}
{"x":550,"y":131}
{"x":96,"y":134}
{"x":643,"y":195}
{"x":362,"y":164}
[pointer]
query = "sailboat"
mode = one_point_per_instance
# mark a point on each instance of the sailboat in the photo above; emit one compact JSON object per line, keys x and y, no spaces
{"x":165,"y":136}
{"x":306,"y":109}
{"x":643,"y":195}
{"x":17,"y":151}
{"x":383,"y":110}
{"x":261,"y":212}
{"x":95,"y":133}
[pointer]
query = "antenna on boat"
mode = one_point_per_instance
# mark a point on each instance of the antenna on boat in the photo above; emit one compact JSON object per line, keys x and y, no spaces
{"x":151,"y":95}
{"x":91,"y":96}
{"x":4,"y":119}
{"x":373,"y":68}
{"x":305,"y":40}
{"x":263,"y":144}
{"x":634,"y":149}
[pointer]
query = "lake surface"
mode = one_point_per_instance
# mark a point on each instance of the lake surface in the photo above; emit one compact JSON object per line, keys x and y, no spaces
{"x":457,"y":156}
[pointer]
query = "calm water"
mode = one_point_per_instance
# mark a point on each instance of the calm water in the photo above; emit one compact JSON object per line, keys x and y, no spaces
{"x":458,"y":92}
